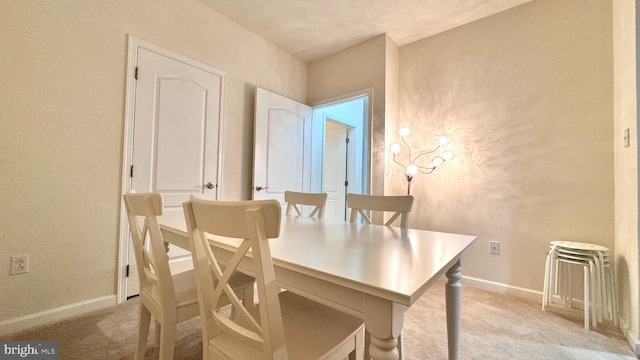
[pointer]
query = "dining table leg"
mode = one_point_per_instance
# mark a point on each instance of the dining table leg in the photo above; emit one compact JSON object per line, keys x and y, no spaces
{"x":453,"y":295}
{"x":383,"y":320}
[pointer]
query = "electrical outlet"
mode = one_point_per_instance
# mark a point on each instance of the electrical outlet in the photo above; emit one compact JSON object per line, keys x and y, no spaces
{"x":494,"y":247}
{"x":19,"y":264}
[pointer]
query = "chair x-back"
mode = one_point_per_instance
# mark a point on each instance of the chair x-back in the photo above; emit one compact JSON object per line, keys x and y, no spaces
{"x":400,"y":205}
{"x":293,"y":199}
{"x":282,"y":325}
{"x":169,"y":298}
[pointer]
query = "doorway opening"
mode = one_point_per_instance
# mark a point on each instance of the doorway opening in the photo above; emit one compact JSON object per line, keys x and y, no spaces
{"x":345,"y":124}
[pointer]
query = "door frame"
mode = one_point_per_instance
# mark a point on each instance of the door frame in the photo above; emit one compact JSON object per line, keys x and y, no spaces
{"x":134,"y":44}
{"x":366,"y":135}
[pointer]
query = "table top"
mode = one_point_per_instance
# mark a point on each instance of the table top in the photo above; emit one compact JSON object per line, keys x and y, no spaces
{"x":399,"y":265}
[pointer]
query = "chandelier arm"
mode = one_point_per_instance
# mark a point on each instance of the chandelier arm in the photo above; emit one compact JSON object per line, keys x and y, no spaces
{"x":426,"y":170}
{"x":426,"y":152}
{"x":408,"y":147}
{"x":396,"y":161}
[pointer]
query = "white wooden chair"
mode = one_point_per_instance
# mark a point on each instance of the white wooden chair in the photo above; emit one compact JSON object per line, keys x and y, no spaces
{"x":293,"y":199}
{"x":282,"y":325}
{"x":400,"y":205}
{"x":169,"y":298}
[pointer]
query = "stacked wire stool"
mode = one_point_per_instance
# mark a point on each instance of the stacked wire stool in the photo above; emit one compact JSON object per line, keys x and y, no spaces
{"x":599,"y":279}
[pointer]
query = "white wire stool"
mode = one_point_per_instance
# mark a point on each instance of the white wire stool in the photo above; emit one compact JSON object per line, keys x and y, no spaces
{"x":599,"y":279}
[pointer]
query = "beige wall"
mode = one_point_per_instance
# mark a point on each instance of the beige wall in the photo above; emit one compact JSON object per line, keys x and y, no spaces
{"x":526,"y":99}
{"x":392,"y":88}
{"x":626,"y":165}
{"x":62,"y":99}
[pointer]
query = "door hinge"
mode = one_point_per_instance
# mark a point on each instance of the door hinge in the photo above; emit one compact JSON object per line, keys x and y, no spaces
{"x":135,"y":74}
{"x":126,"y":271}
{"x":346,"y":140}
{"x":131,"y":171}
{"x":346,"y":183}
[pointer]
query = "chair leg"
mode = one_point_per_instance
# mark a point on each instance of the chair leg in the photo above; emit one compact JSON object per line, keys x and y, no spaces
{"x":358,"y":353}
{"x":158,"y":332}
{"x":556,"y":279}
{"x":546,"y":288}
{"x":367,"y":343}
{"x":604,"y":304}
{"x":594,"y":295}
{"x":168,"y":340}
{"x":248,"y":299}
{"x":587,"y":294}
{"x":400,"y":346}
{"x":598,"y":289}
{"x":561,"y":276}
{"x":613,"y":295}
{"x":569,"y":284}
{"x":143,"y":332}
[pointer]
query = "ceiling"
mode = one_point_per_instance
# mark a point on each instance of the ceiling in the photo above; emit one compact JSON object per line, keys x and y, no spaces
{"x":313,"y":29}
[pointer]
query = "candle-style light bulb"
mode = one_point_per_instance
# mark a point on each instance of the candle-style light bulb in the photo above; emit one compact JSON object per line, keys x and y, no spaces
{"x":404,"y":131}
{"x":443,"y":140}
{"x":447,"y":155}
{"x":437,"y":161}
{"x":394,"y":148}
{"x":411,"y":170}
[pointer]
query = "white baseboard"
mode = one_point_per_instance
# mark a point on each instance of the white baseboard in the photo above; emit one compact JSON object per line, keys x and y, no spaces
{"x":503,"y":288}
{"x":22,"y":323}
{"x":516,"y":291}
{"x":634,"y":343}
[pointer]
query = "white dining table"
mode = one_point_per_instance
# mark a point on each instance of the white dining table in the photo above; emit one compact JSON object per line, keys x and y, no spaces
{"x":372,"y":271}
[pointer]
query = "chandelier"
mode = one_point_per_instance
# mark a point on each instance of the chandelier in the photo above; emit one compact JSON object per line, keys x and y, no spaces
{"x":414,"y":163}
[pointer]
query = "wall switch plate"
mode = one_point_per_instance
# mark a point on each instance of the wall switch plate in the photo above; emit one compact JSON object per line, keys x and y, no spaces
{"x":494,"y":247}
{"x":19,"y":264}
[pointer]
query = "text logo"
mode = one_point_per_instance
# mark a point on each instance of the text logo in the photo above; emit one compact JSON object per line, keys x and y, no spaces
{"x":41,"y":350}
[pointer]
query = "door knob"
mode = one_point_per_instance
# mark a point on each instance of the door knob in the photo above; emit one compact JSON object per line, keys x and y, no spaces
{"x":209,"y":185}
{"x":260,"y":188}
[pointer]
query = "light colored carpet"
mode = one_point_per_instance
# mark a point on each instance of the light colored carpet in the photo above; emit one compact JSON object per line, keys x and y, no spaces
{"x":494,"y":326}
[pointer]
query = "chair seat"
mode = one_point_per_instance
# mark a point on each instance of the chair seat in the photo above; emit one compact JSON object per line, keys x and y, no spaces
{"x":185,"y":287}
{"x":316,"y":329}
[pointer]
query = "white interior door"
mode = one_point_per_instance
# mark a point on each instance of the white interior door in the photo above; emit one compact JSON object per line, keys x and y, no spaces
{"x":335,"y":171}
{"x":176,"y":127}
{"x":282,"y":146}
